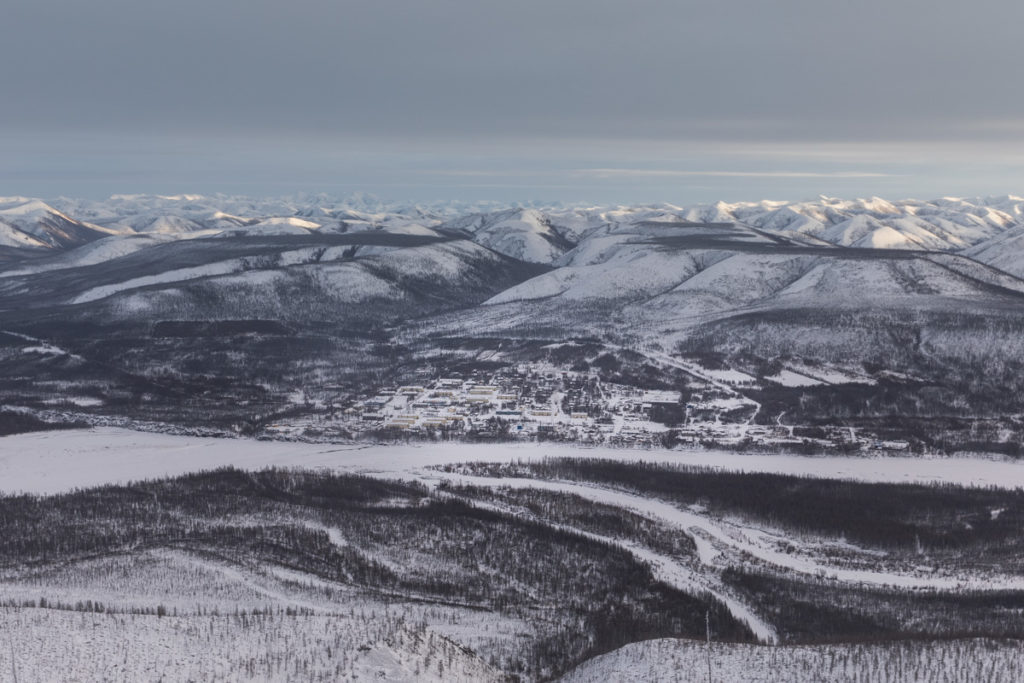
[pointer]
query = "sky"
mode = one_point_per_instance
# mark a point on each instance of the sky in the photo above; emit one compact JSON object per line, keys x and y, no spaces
{"x":593,"y":101}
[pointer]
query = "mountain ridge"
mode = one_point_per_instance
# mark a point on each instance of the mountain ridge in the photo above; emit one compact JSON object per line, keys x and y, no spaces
{"x":536,"y":233}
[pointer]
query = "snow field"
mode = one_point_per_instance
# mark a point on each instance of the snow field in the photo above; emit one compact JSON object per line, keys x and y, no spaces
{"x":683,"y":661}
{"x":46,"y":645}
{"x":227,"y":622}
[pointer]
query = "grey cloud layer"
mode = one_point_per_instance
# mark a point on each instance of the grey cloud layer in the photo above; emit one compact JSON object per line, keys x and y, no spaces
{"x":647,"y":67}
{"x":430,"y":77}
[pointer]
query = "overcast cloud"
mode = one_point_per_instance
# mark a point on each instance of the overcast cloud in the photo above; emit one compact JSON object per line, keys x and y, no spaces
{"x":577,"y":100}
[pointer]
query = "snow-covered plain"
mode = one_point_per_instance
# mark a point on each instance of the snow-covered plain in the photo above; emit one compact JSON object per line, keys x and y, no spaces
{"x":788,"y":378}
{"x":52,"y":462}
{"x":45,"y":645}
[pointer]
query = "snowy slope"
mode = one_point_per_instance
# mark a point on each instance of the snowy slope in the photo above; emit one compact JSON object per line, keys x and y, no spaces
{"x":12,"y":237}
{"x":32,"y":223}
{"x":105,"y":249}
{"x":171,"y":224}
{"x":524,"y":234}
{"x":52,"y":645}
{"x":941,"y":225}
{"x":689,"y":272}
{"x":1004,"y":251}
{"x":276,"y":225}
{"x":281,"y":276}
{"x":192,"y":212}
{"x":625,"y":262}
{"x":689,"y":662}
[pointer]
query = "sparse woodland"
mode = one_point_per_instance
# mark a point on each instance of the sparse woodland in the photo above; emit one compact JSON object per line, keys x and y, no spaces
{"x":398,"y":544}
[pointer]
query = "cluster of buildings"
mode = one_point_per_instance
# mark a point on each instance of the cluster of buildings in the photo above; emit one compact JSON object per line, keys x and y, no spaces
{"x":539,"y":401}
{"x":535,"y":401}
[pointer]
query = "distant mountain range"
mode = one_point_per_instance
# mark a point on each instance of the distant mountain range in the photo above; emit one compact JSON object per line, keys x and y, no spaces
{"x":986,"y":226}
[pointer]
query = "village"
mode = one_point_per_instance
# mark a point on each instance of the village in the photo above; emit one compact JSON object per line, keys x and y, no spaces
{"x":543,"y":402}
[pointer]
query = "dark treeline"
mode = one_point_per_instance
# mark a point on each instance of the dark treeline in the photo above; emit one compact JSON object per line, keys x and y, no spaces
{"x":218,"y":328}
{"x":398,"y":541}
{"x":578,"y":512}
{"x":18,"y":423}
{"x":917,"y":412}
{"x":936,"y":519}
{"x":816,"y":611}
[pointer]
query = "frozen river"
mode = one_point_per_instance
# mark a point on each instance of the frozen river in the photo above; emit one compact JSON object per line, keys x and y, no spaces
{"x":51,"y":462}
